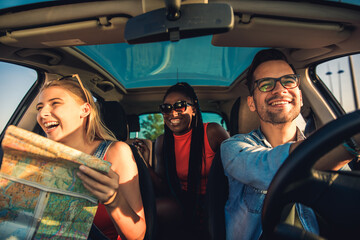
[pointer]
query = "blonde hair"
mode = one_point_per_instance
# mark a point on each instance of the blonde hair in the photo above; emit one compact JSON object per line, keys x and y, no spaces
{"x":95,"y":128}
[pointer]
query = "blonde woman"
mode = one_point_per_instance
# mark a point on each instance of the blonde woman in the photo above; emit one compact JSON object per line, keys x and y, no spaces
{"x":67,"y":113}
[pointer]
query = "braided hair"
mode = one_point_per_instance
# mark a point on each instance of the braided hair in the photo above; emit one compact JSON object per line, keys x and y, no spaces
{"x":189,"y":199}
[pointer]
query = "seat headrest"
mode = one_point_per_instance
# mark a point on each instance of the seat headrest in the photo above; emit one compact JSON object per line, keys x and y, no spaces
{"x":114,"y":118}
{"x":133,"y":123}
{"x":248,"y":120}
{"x":242,"y":120}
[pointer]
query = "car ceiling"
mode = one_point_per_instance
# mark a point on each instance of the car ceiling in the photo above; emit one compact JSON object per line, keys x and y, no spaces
{"x":73,"y":38}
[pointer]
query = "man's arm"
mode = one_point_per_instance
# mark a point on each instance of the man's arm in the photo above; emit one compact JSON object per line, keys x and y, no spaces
{"x":333,"y":160}
{"x":251,"y":163}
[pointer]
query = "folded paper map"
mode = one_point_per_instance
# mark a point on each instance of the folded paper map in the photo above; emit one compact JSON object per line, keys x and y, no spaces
{"x":41,"y":196}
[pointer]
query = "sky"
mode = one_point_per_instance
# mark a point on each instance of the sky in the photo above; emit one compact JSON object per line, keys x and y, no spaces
{"x":15,"y":81}
{"x":336,"y":71}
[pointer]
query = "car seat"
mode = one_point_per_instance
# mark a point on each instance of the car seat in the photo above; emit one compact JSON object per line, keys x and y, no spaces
{"x":134,"y":126}
{"x":114,"y":118}
{"x":242,"y":120}
{"x":217,"y":191}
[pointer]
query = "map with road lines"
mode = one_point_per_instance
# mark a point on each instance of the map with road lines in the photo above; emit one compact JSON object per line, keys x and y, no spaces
{"x":40,"y":195}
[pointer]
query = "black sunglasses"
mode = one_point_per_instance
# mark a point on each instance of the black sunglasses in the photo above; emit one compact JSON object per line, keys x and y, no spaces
{"x":268,"y":84}
{"x":179,"y":107}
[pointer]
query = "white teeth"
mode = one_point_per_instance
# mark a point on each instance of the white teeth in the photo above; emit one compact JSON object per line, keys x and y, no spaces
{"x":175,"y":121}
{"x":278,"y":103}
{"x":51,"y":124}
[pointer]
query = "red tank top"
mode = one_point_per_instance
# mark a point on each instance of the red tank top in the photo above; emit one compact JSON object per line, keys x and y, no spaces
{"x":182,"y":154}
{"x":103,"y":222}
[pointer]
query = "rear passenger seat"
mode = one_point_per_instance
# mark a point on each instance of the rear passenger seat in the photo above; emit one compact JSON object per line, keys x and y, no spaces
{"x":134,"y":126}
{"x":115,"y":118}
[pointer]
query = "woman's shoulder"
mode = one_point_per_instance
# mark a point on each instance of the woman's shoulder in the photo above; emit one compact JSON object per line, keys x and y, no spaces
{"x":215,"y":129}
{"x":212,"y":125}
{"x":122,"y":160}
{"x":119,"y":148}
{"x":120,"y":145}
{"x":120,"y":155}
{"x":216,"y":134}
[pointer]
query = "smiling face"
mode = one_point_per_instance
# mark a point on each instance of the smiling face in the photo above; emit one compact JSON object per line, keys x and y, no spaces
{"x":280,"y":105}
{"x":61,"y":114}
{"x":179,"y":123}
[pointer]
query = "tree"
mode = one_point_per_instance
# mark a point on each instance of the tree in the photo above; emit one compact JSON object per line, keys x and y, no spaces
{"x":152,"y":126}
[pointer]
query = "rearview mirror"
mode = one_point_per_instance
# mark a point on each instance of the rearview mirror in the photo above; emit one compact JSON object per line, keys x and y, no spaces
{"x":195,"y":20}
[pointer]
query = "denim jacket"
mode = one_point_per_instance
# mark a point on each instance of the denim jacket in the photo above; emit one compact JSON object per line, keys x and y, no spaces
{"x":250,"y":163}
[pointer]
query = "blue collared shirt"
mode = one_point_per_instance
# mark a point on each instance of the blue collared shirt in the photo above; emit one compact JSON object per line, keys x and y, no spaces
{"x":250,"y":163}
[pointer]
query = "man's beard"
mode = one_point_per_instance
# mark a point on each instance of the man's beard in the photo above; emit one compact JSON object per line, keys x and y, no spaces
{"x":276,"y":118}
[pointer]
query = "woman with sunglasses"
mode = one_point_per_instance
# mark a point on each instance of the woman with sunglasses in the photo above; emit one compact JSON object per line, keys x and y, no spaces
{"x":184,"y":155}
{"x":67,"y":114}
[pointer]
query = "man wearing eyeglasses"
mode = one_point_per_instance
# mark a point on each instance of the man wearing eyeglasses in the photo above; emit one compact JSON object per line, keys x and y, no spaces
{"x":251,"y":160}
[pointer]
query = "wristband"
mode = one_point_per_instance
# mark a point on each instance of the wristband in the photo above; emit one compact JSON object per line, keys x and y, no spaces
{"x":352,"y":147}
{"x":111,"y":199}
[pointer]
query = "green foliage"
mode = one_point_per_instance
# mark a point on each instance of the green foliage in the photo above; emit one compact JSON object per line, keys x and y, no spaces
{"x":152,"y":126}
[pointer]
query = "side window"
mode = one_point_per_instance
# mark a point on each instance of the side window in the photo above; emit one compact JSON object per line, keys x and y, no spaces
{"x":214,"y":117}
{"x":342,"y":78}
{"x":300,"y":122}
{"x":152,"y":125}
{"x":15,"y":82}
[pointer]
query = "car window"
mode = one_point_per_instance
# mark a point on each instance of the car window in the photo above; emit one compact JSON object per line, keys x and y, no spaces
{"x":342,"y":70}
{"x":214,"y":117}
{"x":15,"y":82}
{"x":152,"y":125}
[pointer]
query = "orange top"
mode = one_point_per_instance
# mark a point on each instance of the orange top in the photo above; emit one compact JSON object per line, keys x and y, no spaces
{"x":182,"y":154}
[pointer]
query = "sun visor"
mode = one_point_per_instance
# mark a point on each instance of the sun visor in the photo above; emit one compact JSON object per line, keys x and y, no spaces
{"x":285,"y":33}
{"x":90,"y":32}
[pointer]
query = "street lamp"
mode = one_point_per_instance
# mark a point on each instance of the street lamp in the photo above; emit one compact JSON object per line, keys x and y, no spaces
{"x":328,"y":73}
{"x":340,"y":71}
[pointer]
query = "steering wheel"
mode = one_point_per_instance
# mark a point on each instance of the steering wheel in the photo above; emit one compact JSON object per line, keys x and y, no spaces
{"x":333,"y":195}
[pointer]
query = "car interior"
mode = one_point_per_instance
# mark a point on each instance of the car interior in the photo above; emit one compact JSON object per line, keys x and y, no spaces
{"x":110,"y":45}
